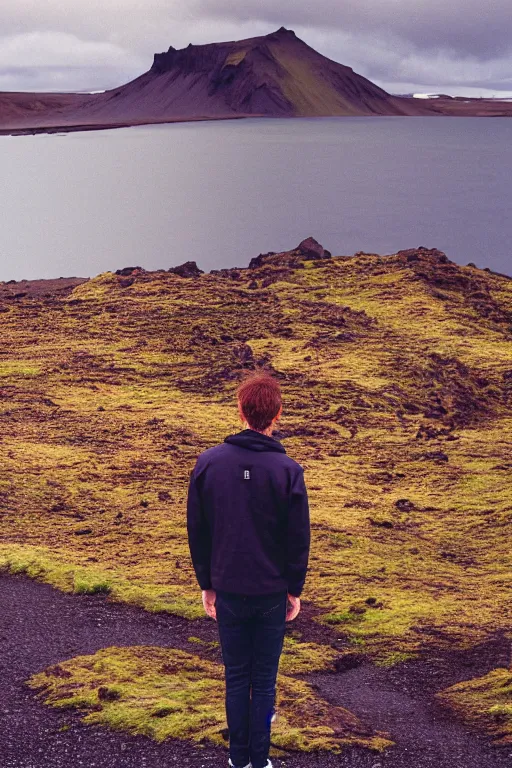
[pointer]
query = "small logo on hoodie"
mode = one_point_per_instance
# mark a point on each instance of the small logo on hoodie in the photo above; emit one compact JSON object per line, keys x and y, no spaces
{"x":247,"y":474}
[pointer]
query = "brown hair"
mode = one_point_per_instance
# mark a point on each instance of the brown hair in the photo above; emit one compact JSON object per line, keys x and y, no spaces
{"x":259,"y":396}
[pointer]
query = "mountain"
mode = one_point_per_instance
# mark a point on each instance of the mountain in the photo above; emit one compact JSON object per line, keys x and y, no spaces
{"x":277,"y":75}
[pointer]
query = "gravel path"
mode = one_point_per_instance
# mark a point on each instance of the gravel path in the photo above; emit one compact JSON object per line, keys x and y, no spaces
{"x":40,"y":626}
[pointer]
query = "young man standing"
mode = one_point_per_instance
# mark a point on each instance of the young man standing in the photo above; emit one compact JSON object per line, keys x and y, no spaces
{"x":249,"y":536}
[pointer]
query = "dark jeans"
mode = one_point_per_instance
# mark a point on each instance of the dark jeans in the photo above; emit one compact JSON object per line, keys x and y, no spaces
{"x":251,"y":631}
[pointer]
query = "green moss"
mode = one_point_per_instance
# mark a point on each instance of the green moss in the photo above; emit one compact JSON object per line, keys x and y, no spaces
{"x":377,"y":373}
{"x":485,"y":702}
{"x":165,"y":693}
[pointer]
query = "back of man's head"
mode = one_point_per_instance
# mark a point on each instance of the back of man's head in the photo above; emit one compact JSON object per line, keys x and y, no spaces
{"x":259,"y":399}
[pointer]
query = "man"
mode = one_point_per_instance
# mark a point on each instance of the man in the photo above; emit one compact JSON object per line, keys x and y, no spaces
{"x":249,"y":536}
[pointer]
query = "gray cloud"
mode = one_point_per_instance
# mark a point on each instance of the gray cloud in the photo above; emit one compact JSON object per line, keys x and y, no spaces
{"x":463,"y":26}
{"x":404,"y":45}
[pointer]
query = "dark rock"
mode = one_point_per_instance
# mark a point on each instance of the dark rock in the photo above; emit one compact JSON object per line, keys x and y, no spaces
{"x":82,"y":531}
{"x":286,"y":331}
{"x":258,"y":261}
{"x":404,"y":505}
{"x":410,"y":407}
{"x":60,"y":506}
{"x":435,"y":456}
{"x":357,"y":610}
{"x":358,"y":503}
{"x":380,"y":523}
{"x":108,"y":694}
{"x":311,"y":249}
{"x":126,"y":282}
{"x":429,"y":431}
{"x":188,"y":269}
{"x":164,"y":496}
{"x":58,"y":671}
{"x":380,"y":477}
{"x":246,"y":356}
{"x":308,"y":250}
{"x":125,"y":271}
{"x":348,"y":661}
{"x":436,"y":412}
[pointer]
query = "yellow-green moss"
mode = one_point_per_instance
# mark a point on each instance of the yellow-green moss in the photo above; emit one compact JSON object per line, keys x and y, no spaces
{"x":301,"y":658}
{"x":485,"y":702}
{"x":128,"y":385}
{"x":164,"y":693}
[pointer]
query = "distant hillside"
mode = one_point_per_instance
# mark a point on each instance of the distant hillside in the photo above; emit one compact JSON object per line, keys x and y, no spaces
{"x":277,"y":75}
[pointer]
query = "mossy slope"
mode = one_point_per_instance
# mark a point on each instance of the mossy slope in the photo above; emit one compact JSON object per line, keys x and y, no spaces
{"x":397,"y":378}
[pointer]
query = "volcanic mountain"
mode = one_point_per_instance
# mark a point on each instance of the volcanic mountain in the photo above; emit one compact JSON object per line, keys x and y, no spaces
{"x":277,"y":75}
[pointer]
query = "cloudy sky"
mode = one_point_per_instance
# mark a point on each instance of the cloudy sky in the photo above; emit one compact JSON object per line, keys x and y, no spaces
{"x":457,"y":47}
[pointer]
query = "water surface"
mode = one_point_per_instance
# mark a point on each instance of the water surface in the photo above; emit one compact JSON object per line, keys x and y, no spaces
{"x":222,"y":192}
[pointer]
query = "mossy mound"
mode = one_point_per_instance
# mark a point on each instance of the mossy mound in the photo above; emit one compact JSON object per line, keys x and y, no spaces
{"x":485,"y":702}
{"x":163,"y":693}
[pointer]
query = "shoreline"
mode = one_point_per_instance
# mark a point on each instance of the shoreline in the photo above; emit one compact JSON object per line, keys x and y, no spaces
{"x":447,"y":109}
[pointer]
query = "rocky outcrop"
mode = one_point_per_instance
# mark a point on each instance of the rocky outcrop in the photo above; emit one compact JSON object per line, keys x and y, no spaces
{"x":128,"y":271}
{"x":187,"y":269}
{"x":308,"y":250}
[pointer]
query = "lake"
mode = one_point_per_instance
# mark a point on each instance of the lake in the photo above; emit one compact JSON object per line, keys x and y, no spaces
{"x":220,"y":193}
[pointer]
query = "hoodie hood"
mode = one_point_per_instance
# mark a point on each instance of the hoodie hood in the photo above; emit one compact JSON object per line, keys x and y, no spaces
{"x":255,"y":441}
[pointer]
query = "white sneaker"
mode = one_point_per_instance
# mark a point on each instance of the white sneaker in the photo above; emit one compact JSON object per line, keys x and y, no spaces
{"x":231,"y":765}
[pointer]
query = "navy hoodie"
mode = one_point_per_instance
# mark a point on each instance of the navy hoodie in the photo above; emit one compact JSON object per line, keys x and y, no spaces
{"x":248,"y":517}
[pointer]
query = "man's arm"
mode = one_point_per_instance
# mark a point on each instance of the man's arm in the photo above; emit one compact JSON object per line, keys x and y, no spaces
{"x":199,"y":538}
{"x":297,"y":536}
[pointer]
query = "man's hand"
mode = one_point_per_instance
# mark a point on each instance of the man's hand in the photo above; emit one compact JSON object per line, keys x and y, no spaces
{"x":293,"y":607}
{"x":209,"y":596}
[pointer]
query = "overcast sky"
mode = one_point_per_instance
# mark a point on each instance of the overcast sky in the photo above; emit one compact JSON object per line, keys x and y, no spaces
{"x":459,"y":47}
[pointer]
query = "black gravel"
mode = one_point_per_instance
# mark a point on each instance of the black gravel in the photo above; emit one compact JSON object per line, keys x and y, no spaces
{"x":40,"y":626}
